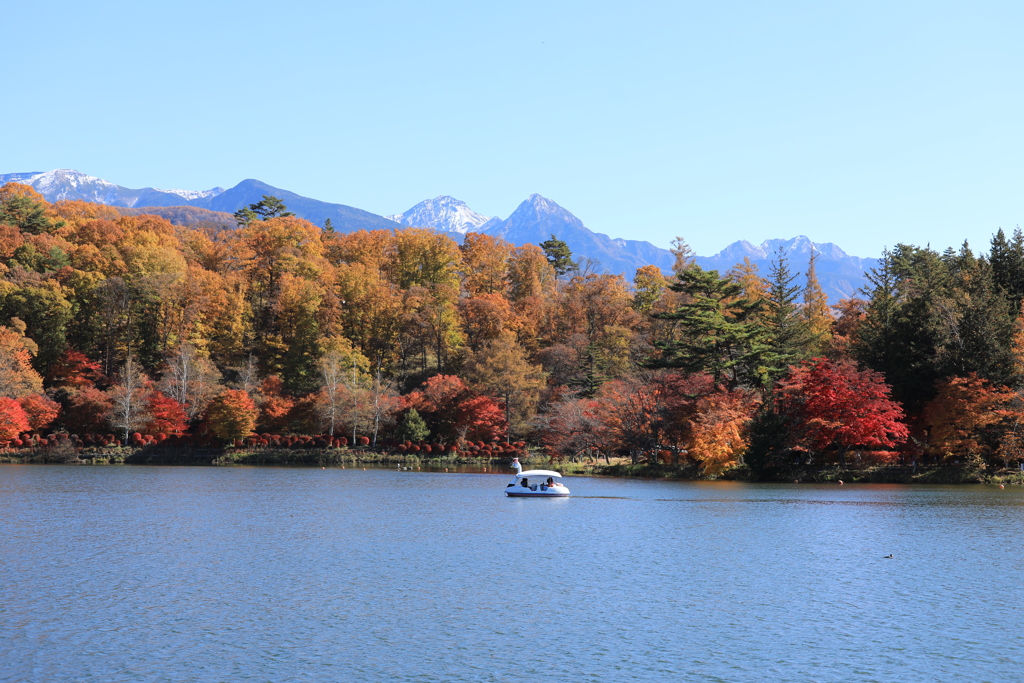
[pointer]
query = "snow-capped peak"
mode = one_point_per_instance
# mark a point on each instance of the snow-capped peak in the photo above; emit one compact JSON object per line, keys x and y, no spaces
{"x":67,"y":183}
{"x":64,"y":177}
{"x":767,"y":249}
{"x":442,"y":213}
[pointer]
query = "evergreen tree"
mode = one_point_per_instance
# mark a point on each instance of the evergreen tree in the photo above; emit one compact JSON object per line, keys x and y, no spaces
{"x":788,"y":333}
{"x":769,"y":432}
{"x":717,"y":332}
{"x":1007,"y":259}
{"x":898,"y":336}
{"x":1017,"y":347}
{"x":412,"y":427}
{"x":26,"y":214}
{"x":974,"y":324}
{"x":245,"y":216}
{"x":558,"y":255}
{"x":265,"y":209}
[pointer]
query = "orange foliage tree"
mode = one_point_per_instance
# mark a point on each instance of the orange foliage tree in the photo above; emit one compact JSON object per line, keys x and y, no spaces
{"x":484,"y":264}
{"x":718,"y":428}
{"x":232,"y":415}
{"x":968,"y":418}
{"x":40,"y":410}
{"x":274,"y":405}
{"x":17,"y":377}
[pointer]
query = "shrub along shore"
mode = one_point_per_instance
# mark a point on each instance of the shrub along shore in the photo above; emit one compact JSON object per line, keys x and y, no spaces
{"x":67,"y":454}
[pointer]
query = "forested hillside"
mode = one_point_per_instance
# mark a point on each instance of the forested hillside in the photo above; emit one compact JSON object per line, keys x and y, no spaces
{"x":129,"y":328}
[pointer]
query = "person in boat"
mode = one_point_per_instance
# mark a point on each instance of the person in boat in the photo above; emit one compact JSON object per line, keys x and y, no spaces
{"x":551,"y":482}
{"x":526,"y":483}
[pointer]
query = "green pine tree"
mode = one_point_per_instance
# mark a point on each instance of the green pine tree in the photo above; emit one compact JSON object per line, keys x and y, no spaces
{"x":412,"y":428}
{"x":898,"y":335}
{"x":788,"y":332}
{"x":1007,"y":259}
{"x":717,"y":331}
{"x":27,"y":215}
{"x":265,"y":209}
{"x":559,"y":255}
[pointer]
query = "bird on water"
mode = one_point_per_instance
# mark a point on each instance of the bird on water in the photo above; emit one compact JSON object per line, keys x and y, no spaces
{"x":887,"y":557}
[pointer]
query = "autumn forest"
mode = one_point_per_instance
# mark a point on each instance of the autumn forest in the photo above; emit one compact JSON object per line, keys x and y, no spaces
{"x":127,"y":330}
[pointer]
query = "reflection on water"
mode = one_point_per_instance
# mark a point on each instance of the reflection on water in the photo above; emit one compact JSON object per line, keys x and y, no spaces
{"x":146,"y":574}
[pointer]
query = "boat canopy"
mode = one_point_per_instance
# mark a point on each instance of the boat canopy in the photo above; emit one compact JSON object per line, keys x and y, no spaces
{"x":538,"y":473}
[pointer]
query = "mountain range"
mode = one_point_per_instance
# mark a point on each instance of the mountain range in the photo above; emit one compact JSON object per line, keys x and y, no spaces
{"x":535,"y":220}
{"x":69,"y":184}
{"x":538,"y":218}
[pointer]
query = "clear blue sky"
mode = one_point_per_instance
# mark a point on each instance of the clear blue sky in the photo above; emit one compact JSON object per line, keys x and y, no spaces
{"x":861,"y":123}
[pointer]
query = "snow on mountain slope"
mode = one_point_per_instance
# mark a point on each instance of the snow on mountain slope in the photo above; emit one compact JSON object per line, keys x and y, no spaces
{"x":189,"y":195}
{"x":444,"y":213}
{"x":66,"y":183}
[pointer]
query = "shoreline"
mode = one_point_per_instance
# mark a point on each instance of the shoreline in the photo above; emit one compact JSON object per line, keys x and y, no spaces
{"x":346,"y":458}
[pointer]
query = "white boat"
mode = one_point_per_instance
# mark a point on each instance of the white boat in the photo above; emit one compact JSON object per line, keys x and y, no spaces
{"x":535,"y":483}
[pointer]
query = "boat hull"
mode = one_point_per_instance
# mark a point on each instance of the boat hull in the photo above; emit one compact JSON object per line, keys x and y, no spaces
{"x":536,"y":494}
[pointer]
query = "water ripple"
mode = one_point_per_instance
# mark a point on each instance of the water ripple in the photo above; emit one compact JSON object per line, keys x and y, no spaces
{"x":153,"y":574}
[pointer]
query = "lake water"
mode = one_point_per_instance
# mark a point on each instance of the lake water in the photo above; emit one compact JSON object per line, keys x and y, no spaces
{"x":268,"y":574}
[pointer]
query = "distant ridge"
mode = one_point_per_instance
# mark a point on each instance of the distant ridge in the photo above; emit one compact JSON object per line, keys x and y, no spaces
{"x":191,"y":216}
{"x":840,"y":275}
{"x":533,"y":221}
{"x":63,"y":184}
{"x":537,"y":218}
{"x":344,"y":218}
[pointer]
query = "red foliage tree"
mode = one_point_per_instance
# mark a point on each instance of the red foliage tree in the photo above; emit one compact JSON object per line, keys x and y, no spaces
{"x":670,"y":412}
{"x":627,"y":411}
{"x":833,"y":405}
{"x":40,"y":410}
{"x":303,"y":416}
{"x":74,"y":370}
{"x":275,"y":406}
{"x":87,"y":411}
{"x":480,"y":417}
{"x":165,"y":415}
{"x":13,"y":420}
{"x":454,"y":411}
